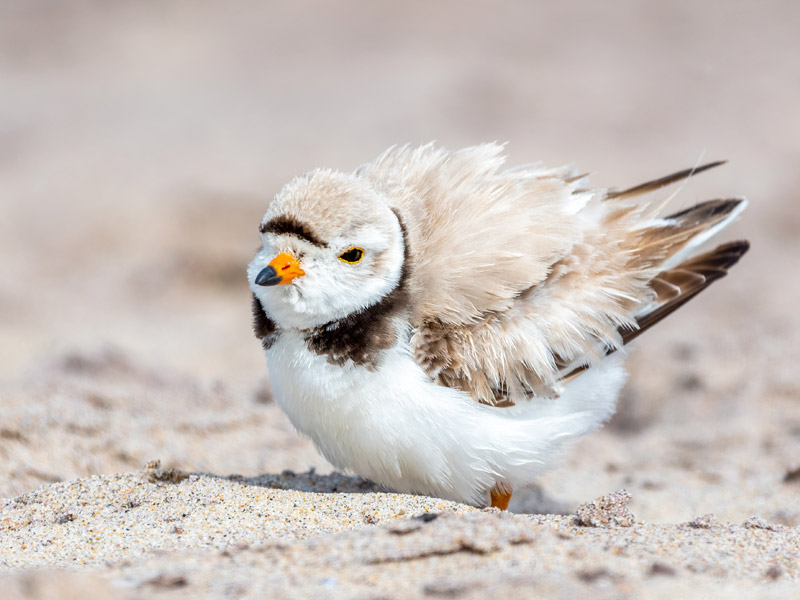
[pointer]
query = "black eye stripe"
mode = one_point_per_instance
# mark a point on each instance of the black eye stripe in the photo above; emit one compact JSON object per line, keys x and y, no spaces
{"x":353,"y":255}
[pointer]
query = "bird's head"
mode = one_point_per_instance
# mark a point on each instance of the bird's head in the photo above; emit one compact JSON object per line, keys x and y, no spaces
{"x":331,"y":246}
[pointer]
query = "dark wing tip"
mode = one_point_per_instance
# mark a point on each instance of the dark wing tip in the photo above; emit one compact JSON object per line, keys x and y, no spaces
{"x":707,"y":210}
{"x":723,"y":256}
{"x":706,"y":268}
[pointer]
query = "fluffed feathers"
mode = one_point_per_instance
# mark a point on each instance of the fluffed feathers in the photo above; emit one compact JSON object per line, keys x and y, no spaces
{"x":475,"y":333}
{"x":521,"y":275}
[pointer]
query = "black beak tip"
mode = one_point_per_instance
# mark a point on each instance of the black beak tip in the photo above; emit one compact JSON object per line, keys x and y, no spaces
{"x":268,"y":276}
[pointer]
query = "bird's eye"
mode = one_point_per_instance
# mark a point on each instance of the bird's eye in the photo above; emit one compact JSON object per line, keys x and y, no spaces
{"x":352,"y":256}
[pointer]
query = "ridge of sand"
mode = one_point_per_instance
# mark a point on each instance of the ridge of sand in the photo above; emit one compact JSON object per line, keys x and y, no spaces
{"x":187,"y":535}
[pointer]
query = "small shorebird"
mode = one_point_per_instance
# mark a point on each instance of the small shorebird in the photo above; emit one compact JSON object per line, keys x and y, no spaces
{"x":442,"y":326}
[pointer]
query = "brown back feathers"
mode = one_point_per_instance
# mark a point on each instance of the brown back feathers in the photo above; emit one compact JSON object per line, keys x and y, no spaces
{"x":518,"y":277}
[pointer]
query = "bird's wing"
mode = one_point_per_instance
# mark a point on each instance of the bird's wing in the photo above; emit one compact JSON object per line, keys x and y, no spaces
{"x":520,"y":278}
{"x":673,"y":288}
{"x":478,"y":236}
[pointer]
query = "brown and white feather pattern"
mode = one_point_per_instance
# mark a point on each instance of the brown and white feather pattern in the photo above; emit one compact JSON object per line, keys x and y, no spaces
{"x":473,"y":283}
{"x":561,"y":278}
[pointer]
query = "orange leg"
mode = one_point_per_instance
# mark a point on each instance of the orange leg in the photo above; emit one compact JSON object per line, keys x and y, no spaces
{"x":501,"y":496}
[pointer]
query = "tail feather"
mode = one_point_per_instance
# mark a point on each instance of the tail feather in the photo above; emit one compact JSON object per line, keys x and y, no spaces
{"x":668,"y":237}
{"x":684,"y":282}
{"x":655,"y":184}
{"x":674,"y":288}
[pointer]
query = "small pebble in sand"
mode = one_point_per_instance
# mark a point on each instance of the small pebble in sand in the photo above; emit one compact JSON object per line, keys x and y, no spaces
{"x":595,"y":574}
{"x":155,"y":472}
{"x":65,"y":518}
{"x":705,"y":522}
{"x":792,"y":475}
{"x":756,"y":522}
{"x":774,"y":572}
{"x":606,"y":511}
{"x":660,"y":568}
{"x":167,"y":581}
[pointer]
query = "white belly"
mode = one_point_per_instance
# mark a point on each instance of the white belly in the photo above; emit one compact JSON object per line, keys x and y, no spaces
{"x":394,"y":426}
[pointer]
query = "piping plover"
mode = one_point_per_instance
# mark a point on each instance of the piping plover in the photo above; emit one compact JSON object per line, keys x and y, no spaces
{"x":442,"y":325}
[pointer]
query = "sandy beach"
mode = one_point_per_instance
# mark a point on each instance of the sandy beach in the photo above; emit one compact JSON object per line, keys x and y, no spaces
{"x":142,"y":454}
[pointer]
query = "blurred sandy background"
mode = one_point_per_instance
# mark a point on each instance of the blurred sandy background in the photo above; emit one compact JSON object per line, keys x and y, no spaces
{"x":140,"y":143}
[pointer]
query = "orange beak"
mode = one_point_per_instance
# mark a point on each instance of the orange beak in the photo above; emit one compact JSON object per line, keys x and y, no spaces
{"x":280,"y":271}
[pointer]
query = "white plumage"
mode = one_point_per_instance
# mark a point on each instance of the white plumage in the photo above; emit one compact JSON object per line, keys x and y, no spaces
{"x":442,"y":326}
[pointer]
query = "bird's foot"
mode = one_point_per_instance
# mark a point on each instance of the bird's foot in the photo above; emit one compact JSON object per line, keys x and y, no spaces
{"x":501,"y":496}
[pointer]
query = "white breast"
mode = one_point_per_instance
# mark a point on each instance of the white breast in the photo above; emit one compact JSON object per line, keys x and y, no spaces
{"x":395,"y":426}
